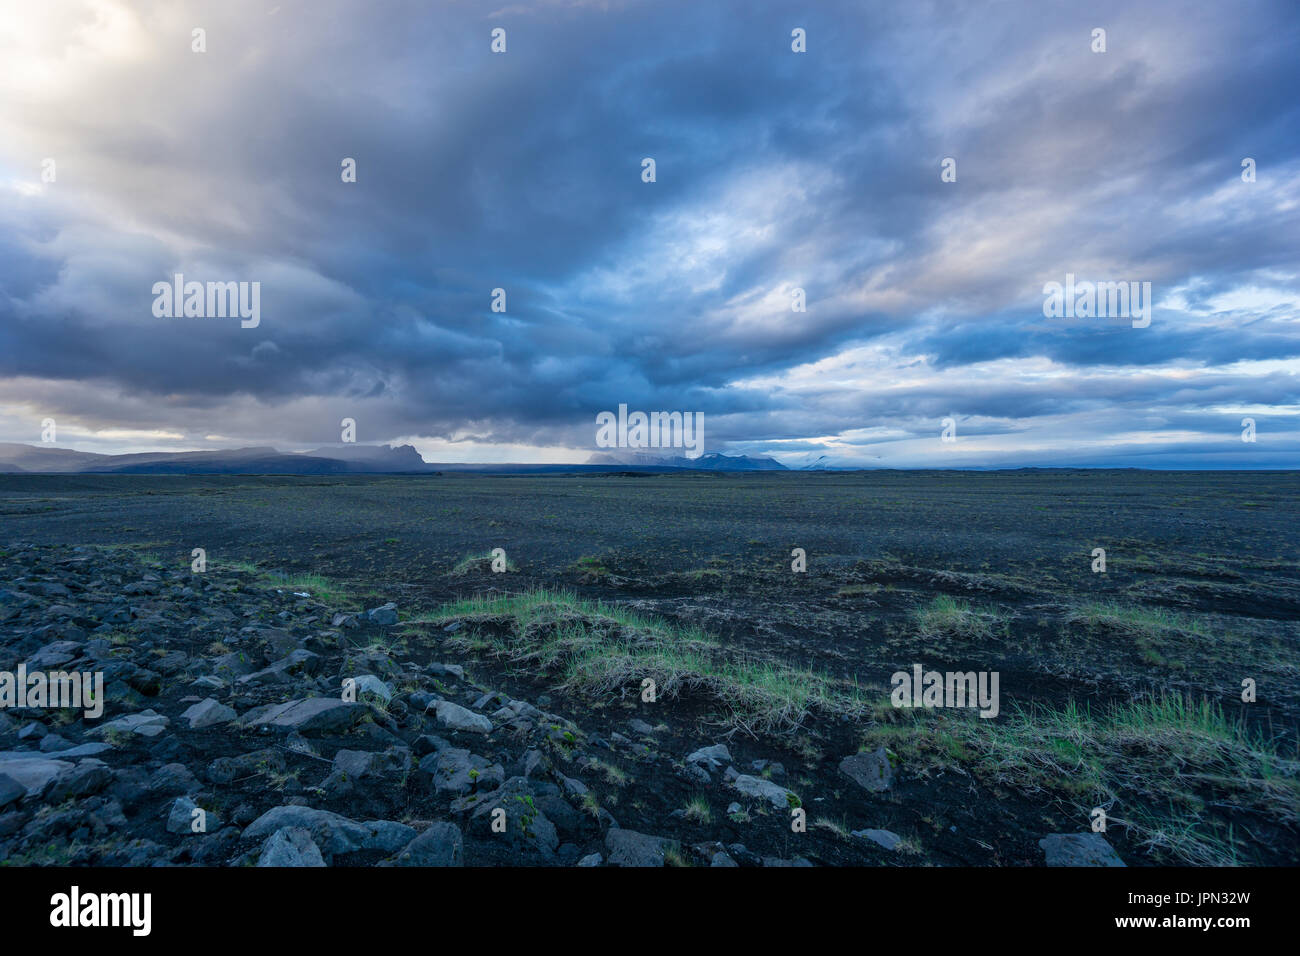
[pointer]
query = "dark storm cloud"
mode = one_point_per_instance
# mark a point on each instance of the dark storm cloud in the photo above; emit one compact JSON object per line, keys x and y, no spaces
{"x":775,"y":170}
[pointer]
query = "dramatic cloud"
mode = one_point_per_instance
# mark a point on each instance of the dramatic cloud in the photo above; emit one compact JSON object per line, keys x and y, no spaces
{"x":776,"y":171}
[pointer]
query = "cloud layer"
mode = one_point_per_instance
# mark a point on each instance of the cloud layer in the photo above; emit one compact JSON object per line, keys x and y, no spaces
{"x":776,"y":171}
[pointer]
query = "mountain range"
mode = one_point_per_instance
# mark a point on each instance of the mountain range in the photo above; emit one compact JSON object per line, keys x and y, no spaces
{"x":336,"y":460}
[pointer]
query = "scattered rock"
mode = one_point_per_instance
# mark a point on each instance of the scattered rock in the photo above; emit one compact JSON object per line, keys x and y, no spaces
{"x":291,"y":846}
{"x":89,"y":776}
{"x":30,"y":771}
{"x":695,"y":774}
{"x":208,"y":713}
{"x":172,"y":778}
{"x":778,"y":796}
{"x":182,"y":817}
{"x":1076,"y":849}
{"x":440,"y":845}
{"x":11,"y":791}
{"x":459,"y":771}
{"x":385,"y":615}
{"x":455,"y":717}
{"x":336,"y":834}
{"x":871,"y":771}
{"x":146,"y":724}
{"x":629,"y":848}
{"x":85,"y":750}
{"x":885,"y":838}
{"x":313,"y":715}
{"x":713,"y":757}
{"x":388,"y":836}
{"x":372,"y":685}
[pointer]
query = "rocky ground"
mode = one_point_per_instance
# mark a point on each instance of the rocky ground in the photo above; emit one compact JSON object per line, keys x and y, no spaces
{"x":226,"y":740}
{"x":1120,"y":691}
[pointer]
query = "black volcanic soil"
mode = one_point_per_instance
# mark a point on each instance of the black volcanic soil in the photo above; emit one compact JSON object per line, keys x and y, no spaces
{"x":709,"y":550}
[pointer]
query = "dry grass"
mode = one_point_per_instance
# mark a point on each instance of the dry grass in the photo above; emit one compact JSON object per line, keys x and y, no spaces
{"x":1169,"y":768}
{"x":603,"y":652}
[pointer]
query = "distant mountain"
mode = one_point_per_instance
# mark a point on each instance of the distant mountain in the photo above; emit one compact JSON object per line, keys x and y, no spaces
{"x":820,"y":463}
{"x":710,"y":462}
{"x":43,"y":458}
{"x":815,"y":462}
{"x":343,"y":460}
{"x":376,"y":458}
{"x":335,"y":460}
{"x":235,"y":461}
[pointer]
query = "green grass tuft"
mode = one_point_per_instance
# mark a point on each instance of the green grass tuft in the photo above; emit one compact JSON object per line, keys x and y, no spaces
{"x":605,"y":651}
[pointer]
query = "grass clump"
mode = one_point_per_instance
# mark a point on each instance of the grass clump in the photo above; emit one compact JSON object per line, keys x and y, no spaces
{"x":954,"y":617}
{"x":1175,"y":771}
{"x":698,"y":809}
{"x":590,"y":564}
{"x":1138,"y":621}
{"x":321,"y":588}
{"x":603,"y":652}
{"x":479,"y":564}
{"x":1159,"y":635}
{"x":316,"y":585}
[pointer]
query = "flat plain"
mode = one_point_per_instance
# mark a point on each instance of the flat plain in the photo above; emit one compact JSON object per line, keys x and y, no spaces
{"x":1120,"y":690}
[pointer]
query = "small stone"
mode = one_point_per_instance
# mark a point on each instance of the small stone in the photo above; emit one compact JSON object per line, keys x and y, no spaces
{"x":1077,"y":849}
{"x":455,"y":717}
{"x":11,"y":791}
{"x":871,"y":771}
{"x":84,"y":750}
{"x":147,"y":723}
{"x":172,"y":779}
{"x":339,"y":834}
{"x":88,"y":777}
{"x":181,"y":817}
{"x":694,"y":773}
{"x":629,"y":848}
{"x":447,"y":670}
{"x":886,"y":839}
{"x":778,"y":796}
{"x":319,"y":715}
{"x":440,"y":845}
{"x":458,"y":771}
{"x":370,"y":684}
{"x":385,"y":615}
{"x":714,"y":756}
{"x":388,"y":836}
{"x":32,"y":732}
{"x":291,"y":846}
{"x":208,"y":713}
{"x":572,"y":786}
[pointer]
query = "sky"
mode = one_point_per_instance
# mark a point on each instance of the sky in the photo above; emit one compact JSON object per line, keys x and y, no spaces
{"x":127,"y":156}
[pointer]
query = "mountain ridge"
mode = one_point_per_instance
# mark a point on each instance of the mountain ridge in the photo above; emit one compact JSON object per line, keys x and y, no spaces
{"x":16,"y":458}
